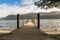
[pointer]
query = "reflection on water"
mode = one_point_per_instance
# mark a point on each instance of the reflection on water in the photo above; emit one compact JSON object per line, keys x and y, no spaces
{"x":50,"y":24}
{"x":9,"y":24}
{"x":12,"y":24}
{"x":45,"y":24}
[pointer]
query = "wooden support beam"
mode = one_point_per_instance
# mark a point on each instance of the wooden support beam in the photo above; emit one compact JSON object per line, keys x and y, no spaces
{"x":17,"y":21}
{"x":38,"y":20}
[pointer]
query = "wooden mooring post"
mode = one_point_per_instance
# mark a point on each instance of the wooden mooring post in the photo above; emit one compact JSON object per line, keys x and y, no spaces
{"x":38,"y":20}
{"x":17,"y":21}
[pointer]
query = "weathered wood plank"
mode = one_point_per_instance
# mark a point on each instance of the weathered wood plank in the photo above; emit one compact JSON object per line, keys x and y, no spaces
{"x":27,"y":33}
{"x":17,"y":21}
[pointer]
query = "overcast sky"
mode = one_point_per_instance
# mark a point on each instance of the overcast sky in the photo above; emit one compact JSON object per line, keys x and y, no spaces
{"x":8,"y":7}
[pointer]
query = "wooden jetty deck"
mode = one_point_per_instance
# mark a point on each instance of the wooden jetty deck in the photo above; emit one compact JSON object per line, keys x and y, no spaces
{"x":26,"y":33}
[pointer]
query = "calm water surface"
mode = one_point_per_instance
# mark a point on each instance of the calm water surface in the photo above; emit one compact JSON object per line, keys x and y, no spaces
{"x":50,"y":24}
{"x":45,"y":24}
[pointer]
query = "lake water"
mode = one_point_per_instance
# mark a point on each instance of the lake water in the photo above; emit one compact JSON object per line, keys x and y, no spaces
{"x":50,"y":24}
{"x":45,"y":24}
{"x":9,"y":24}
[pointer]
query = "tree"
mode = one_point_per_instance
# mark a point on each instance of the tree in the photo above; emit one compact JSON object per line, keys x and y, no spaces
{"x":45,"y":4}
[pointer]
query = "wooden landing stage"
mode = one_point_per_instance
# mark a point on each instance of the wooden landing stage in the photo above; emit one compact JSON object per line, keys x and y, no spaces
{"x":27,"y":33}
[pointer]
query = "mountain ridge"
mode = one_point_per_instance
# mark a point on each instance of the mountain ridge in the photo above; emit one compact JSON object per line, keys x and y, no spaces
{"x":50,"y":15}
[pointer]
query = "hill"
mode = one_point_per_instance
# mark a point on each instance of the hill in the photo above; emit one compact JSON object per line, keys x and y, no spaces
{"x":50,"y":15}
{"x":14,"y":17}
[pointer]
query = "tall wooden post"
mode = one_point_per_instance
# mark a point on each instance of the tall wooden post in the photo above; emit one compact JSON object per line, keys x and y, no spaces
{"x":38,"y":20}
{"x":17,"y":21}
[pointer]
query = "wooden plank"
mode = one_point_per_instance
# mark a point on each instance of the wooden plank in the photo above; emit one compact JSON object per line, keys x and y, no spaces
{"x":17,"y":21}
{"x":38,"y":20}
{"x":27,"y":33}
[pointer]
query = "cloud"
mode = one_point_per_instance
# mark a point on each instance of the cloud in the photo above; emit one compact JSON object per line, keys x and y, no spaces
{"x":28,"y":2}
{"x":27,"y":6}
{"x":6,"y":9}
